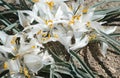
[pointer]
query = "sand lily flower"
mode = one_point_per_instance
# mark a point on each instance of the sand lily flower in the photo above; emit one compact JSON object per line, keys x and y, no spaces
{"x":28,"y":49}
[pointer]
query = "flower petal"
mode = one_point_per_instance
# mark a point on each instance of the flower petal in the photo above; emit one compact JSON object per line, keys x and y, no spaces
{"x":33,"y":62}
{"x":80,"y":43}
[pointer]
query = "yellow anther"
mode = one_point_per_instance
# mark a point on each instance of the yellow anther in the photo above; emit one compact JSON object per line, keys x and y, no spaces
{"x":15,"y":49}
{"x":71,"y":8}
{"x":71,"y":22}
{"x":44,"y":34}
{"x":26,"y":73}
{"x":43,"y":39}
{"x":21,"y":70}
{"x":33,"y":47}
{"x":49,"y":23}
{"x":75,"y":17}
{"x":92,"y":37}
{"x":5,"y":66}
{"x":35,"y":0}
{"x":88,"y":24}
{"x":85,"y":10}
{"x":56,"y":36}
{"x":13,"y":40}
{"x":49,"y":36}
{"x":50,"y":4}
{"x":39,"y":32}
{"x":51,"y":26}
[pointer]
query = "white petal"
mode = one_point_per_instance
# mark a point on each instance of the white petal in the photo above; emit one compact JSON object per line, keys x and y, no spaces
{"x":14,"y":66}
{"x":47,"y":59}
{"x":5,"y":49}
{"x":98,"y":17}
{"x":80,"y":43}
{"x":22,"y":19}
{"x":3,"y":36}
{"x":109,"y":30}
{"x":104,"y":48}
{"x":33,"y":62}
{"x":97,"y":26}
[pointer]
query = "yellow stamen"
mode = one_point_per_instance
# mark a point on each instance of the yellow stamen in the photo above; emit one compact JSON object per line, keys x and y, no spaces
{"x":43,"y":39}
{"x":75,"y":17}
{"x":13,"y":40}
{"x":33,"y":47}
{"x":44,"y":34}
{"x":71,"y":22}
{"x":49,"y":23}
{"x":88,"y":24}
{"x":56,"y":36}
{"x":21,"y":70}
{"x":39,"y":32}
{"x":71,"y":8}
{"x":50,"y":4}
{"x":15,"y":49}
{"x":5,"y":66}
{"x":49,"y":36}
{"x":35,"y":1}
{"x":85,"y":10}
{"x":26,"y":73}
{"x":92,"y":37}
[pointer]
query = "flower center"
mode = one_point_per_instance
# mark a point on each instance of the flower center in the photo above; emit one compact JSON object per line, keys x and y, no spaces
{"x":88,"y":24}
{"x":50,"y":4}
{"x":56,"y":36}
{"x":49,"y":23}
{"x":85,"y":10}
{"x":75,"y":17}
{"x":92,"y":37}
{"x":13,"y":40}
{"x":26,"y":73}
{"x":5,"y":66}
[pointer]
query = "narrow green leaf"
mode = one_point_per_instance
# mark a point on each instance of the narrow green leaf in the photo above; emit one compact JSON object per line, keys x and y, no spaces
{"x":103,"y":2}
{"x":114,"y":47}
{"x":57,"y":75}
{"x":7,"y":5}
{"x":105,"y":11}
{"x":115,"y":35}
{"x":64,"y":70}
{"x":24,"y":5}
{"x":79,"y":73}
{"x":109,"y":38}
{"x":11,"y":26}
{"x":83,"y":65}
{"x":6,"y":12}
{"x":55,"y":56}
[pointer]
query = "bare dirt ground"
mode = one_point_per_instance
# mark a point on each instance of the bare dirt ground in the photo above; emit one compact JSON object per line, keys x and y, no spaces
{"x":106,"y":67}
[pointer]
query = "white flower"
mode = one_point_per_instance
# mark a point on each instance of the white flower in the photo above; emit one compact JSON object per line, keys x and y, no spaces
{"x":33,"y":62}
{"x":104,"y":48}
{"x":14,"y":66}
{"x":80,"y":43}
{"x":46,"y":58}
{"x":3,"y":37}
{"x":98,"y":27}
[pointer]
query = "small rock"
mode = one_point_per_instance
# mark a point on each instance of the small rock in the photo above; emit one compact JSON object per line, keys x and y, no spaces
{"x":112,"y":70}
